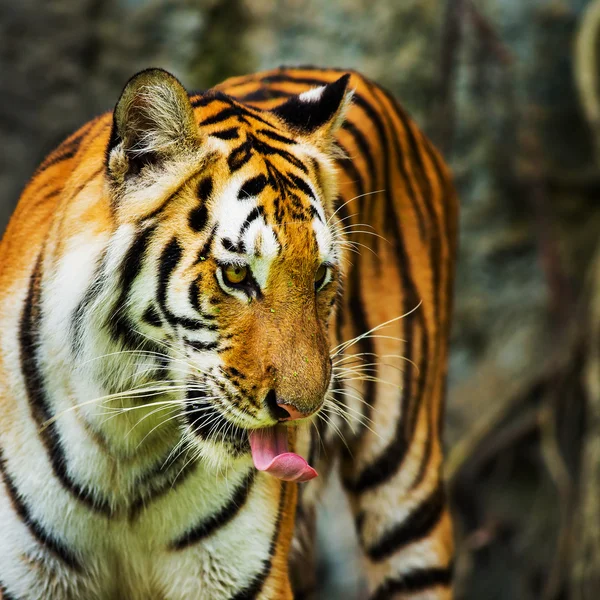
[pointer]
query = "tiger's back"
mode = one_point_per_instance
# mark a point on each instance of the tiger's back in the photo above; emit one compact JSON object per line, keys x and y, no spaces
{"x":397,"y":210}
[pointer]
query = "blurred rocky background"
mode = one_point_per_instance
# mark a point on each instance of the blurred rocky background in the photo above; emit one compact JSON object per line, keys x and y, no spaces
{"x":508,"y":89}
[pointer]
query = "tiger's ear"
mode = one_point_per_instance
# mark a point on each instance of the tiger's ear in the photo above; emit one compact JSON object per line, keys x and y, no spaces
{"x":319,"y":112}
{"x":152,"y":121}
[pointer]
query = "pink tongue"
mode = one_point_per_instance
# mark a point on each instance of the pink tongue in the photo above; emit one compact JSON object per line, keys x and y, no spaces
{"x":270,"y":453}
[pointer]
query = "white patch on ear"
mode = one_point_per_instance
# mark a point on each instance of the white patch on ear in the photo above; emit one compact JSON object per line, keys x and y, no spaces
{"x":312,"y":95}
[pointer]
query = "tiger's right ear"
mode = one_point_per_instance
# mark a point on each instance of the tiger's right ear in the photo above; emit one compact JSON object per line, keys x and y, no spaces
{"x":152,"y":122}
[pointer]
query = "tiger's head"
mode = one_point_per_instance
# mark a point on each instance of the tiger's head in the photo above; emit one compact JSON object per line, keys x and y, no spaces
{"x":231,"y":259}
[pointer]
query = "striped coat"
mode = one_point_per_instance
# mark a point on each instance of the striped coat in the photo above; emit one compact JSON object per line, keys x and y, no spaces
{"x":186,"y":288}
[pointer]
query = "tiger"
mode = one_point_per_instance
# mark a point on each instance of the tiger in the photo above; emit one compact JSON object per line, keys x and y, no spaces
{"x":210,"y":302}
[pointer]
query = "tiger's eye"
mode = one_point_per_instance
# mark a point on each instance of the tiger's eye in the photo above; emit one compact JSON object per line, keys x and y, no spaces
{"x":320,"y":275}
{"x":235,"y":274}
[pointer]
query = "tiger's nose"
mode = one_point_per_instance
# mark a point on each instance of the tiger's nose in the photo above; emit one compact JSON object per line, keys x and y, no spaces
{"x":281,"y":411}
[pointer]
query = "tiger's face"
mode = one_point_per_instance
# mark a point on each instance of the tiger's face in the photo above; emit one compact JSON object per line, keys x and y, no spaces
{"x":242,"y":267}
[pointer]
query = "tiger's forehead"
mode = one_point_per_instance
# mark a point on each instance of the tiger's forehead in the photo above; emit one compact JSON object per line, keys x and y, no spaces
{"x":266,"y":201}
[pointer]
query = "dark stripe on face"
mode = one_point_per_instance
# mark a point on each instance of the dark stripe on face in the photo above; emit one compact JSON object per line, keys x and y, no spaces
{"x":412,"y":582}
{"x":39,"y":402}
{"x":254,"y":214}
{"x":315,"y":214}
{"x":230,"y":246}
{"x":169,"y":260}
{"x":240,"y":156}
{"x":205,"y":188}
{"x":202,"y":346}
{"x":194,"y":298}
{"x":198,"y":218}
{"x":209,"y":424}
{"x":414,"y":528}
{"x":121,"y":327}
{"x":217,"y":520}
{"x":253,"y":589}
{"x":252,"y":187}
{"x":226,"y":134}
{"x":151,"y":317}
{"x":301,"y":185}
{"x":206,"y":247}
{"x":48,"y":541}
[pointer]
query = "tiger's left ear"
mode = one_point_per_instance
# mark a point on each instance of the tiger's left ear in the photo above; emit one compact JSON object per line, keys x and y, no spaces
{"x":153,"y":121}
{"x":319,"y":112}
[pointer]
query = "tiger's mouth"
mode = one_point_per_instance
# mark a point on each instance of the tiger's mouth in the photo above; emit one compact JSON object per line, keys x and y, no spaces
{"x":268,"y":445}
{"x":270,"y":453}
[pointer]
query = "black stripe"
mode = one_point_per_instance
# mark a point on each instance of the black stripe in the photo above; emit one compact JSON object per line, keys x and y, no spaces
{"x":417,"y":580}
{"x":301,"y":185}
{"x":205,"y":188}
{"x":209,"y":423}
{"x":416,"y":155}
{"x":389,"y":461}
{"x":207,"y":246}
{"x":281,"y":77}
{"x":365,"y":346}
{"x":65,"y":151}
{"x":253,"y":589}
{"x":252,"y":187}
{"x":263,"y":94}
{"x":169,"y":259}
{"x":49,"y":541}
{"x":415,"y":527}
{"x":217,"y":520}
{"x":351,"y":171}
{"x":363,"y":146}
{"x":121,"y":327}
{"x":230,"y":246}
{"x":202,"y":346}
{"x":39,"y":402}
{"x":198,"y":218}
{"x":181,"y":474}
{"x":226,"y":134}
{"x":224,"y":114}
{"x":255,"y":213}
{"x":426,"y":380}
{"x":315,"y":213}
{"x":277,"y":137}
{"x":242,"y":111}
{"x":151,"y":317}
{"x":240,"y":156}
{"x":194,"y":298}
